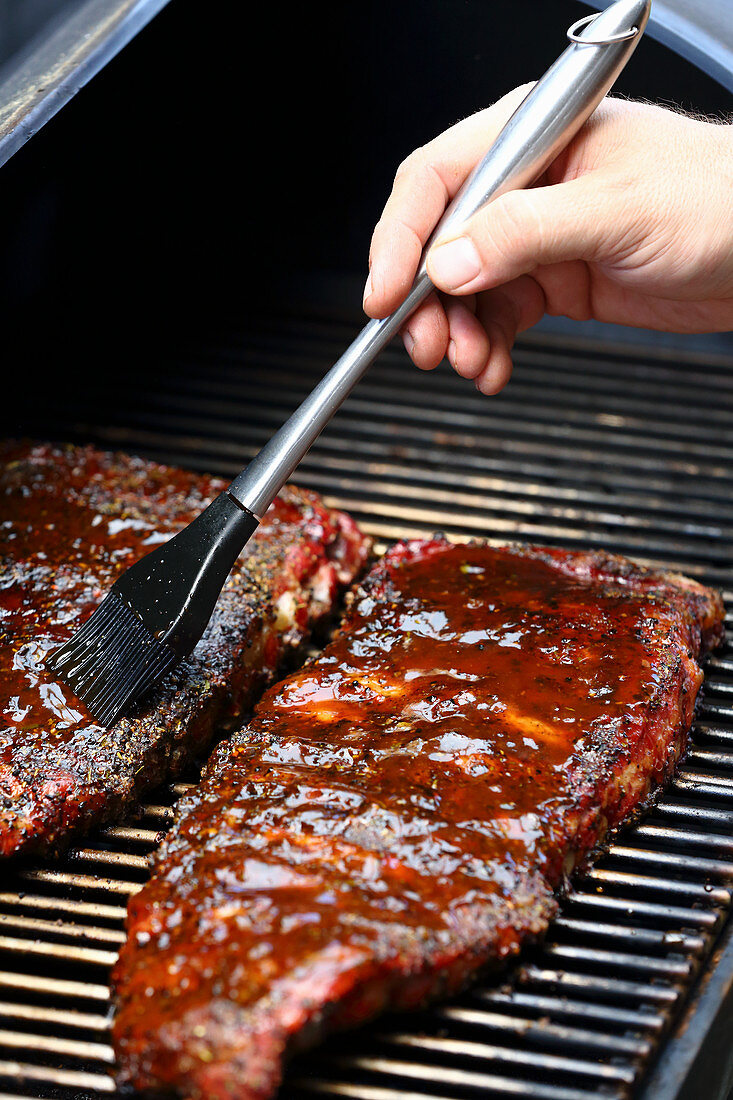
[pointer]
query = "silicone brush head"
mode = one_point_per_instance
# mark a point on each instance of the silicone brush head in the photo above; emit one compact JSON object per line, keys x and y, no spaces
{"x":154,"y":614}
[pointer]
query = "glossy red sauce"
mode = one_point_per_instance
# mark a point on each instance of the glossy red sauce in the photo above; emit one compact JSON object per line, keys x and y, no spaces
{"x":401,"y":810}
{"x":72,"y":520}
{"x":63,"y":545}
{"x":467,"y":696}
{"x":70,"y":524}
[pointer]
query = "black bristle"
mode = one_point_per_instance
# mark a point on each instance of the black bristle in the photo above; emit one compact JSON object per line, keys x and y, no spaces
{"x":112,"y":660}
{"x":155,"y":614}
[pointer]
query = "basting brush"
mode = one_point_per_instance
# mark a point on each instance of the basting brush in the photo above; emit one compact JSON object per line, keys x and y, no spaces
{"x":156,"y":612}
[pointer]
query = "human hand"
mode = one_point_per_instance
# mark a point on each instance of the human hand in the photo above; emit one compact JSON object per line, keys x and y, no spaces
{"x":632,"y":223}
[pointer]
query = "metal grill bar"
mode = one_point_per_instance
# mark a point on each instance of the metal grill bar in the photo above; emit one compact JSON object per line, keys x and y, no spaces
{"x":696,"y":890}
{"x":546,"y":1032}
{"x":76,"y":1079}
{"x":507,"y":1056}
{"x":52,"y":928}
{"x":57,"y":951}
{"x":63,"y":1018}
{"x":649,"y":937}
{"x":66,"y":878}
{"x":485,"y":1083}
{"x":676,"y":914}
{"x":597,"y":986}
{"x":126,"y":832}
{"x":564,"y":1007}
{"x":62,"y":904}
{"x":55,"y":987}
{"x":614,"y":448}
{"x":48,"y":1044}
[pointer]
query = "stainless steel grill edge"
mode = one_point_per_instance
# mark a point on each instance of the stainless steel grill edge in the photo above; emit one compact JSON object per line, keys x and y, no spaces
{"x":596,"y":445}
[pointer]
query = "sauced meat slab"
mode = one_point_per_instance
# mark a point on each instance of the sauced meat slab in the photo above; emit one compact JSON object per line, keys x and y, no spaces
{"x":71,"y":520}
{"x":404,"y":809}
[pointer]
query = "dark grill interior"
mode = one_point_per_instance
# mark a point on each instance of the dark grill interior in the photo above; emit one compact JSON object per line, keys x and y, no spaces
{"x":593,"y":444}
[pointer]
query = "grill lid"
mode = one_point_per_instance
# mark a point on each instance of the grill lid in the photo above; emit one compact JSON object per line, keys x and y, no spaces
{"x":59,"y":58}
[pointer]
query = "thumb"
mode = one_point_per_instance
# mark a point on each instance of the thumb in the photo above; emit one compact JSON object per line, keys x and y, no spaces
{"x":522,"y":230}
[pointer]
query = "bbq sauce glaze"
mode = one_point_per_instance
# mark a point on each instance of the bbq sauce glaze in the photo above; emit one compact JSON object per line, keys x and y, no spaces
{"x":63,"y":550}
{"x":404,"y":807}
{"x":65,"y":540}
{"x":461,"y":697}
{"x":71,"y":521}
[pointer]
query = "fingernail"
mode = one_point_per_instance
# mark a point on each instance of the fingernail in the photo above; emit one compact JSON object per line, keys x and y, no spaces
{"x":452,"y":353}
{"x":408,"y":341}
{"x":454,"y":264}
{"x":368,"y":289}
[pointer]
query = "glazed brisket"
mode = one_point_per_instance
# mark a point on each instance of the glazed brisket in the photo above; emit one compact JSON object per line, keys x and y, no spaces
{"x":71,"y":520}
{"x":404,"y":810}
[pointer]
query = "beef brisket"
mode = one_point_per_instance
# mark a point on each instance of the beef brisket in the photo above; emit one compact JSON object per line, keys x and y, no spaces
{"x":404,"y":810}
{"x":71,"y":520}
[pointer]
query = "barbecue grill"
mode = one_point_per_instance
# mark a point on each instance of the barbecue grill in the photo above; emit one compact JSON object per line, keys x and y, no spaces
{"x":623,"y":444}
{"x":591,"y":445}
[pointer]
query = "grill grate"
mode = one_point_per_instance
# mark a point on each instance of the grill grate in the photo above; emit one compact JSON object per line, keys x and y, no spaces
{"x":592,"y":447}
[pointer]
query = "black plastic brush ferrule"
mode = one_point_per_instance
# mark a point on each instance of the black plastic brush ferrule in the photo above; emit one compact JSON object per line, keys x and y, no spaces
{"x":174,"y":588}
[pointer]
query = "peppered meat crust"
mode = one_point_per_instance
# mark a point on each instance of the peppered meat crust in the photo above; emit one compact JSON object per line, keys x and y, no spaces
{"x":405,"y":809}
{"x":71,"y":520}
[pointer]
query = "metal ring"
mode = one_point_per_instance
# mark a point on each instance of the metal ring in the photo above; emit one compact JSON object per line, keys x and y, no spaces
{"x":622,"y":36}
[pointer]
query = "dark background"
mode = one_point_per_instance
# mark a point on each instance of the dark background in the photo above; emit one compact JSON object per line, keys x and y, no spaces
{"x":233,"y":160}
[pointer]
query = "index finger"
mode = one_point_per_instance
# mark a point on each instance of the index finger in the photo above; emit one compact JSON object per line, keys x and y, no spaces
{"x":423,"y":186}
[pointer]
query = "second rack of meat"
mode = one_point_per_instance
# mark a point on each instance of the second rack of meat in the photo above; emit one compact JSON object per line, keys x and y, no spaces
{"x":404,"y":809}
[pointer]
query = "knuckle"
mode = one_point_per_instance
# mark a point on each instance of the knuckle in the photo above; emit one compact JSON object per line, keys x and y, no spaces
{"x":406,"y":246}
{"x":411,"y":164}
{"x":421,"y":170}
{"x":513,"y":225}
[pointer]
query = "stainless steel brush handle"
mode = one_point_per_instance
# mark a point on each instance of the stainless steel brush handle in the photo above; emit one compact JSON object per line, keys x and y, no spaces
{"x":543,"y":124}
